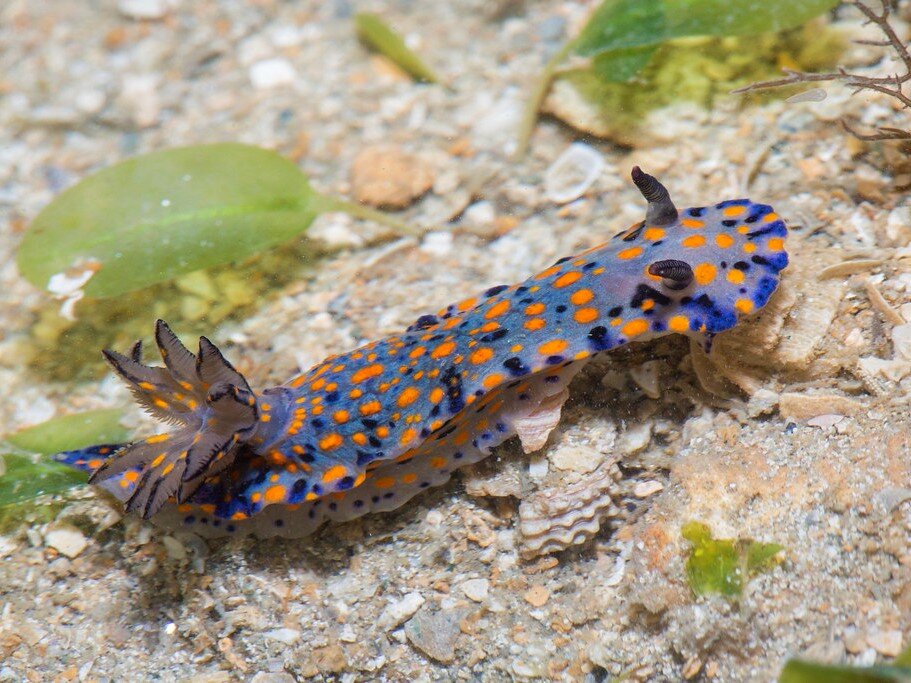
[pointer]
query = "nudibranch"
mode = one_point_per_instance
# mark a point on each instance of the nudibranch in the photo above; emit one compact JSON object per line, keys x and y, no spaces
{"x":367,"y":430}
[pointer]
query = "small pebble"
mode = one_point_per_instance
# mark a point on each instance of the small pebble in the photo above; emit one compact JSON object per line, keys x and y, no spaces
{"x":387,"y":177}
{"x":272,"y":677}
{"x":145,"y":9}
{"x":434,"y":634}
{"x":66,"y":540}
{"x":272,"y":73}
{"x":476,"y":589}
{"x":288,"y":636}
{"x":887,"y":643}
{"x":573,"y":173}
{"x":536,"y":596}
{"x":644,"y":489}
{"x":437,"y":243}
{"x":397,"y":612}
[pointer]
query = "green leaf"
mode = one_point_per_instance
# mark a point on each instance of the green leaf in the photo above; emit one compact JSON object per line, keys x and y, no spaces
{"x":722,"y":565}
{"x":23,"y":476}
{"x":70,"y":432}
{"x":159,"y":215}
{"x":799,"y":671}
{"x":27,"y":477}
{"x":620,"y":66}
{"x":623,"y":24}
{"x":376,"y":34}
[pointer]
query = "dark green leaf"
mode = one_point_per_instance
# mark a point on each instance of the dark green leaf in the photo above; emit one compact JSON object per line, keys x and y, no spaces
{"x":375,"y":33}
{"x":798,"y":671}
{"x":70,"y":432}
{"x":167,"y":213}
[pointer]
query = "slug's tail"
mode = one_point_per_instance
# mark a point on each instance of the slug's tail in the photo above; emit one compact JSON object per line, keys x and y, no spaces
{"x":212,"y":406}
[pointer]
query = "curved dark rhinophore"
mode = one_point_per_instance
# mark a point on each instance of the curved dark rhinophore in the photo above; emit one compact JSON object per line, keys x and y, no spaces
{"x":368,"y":429}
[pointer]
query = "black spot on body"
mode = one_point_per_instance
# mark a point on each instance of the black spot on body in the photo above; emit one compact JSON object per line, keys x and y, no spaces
{"x":493,"y":291}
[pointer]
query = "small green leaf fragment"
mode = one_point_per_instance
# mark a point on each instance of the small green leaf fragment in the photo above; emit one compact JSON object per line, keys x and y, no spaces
{"x":70,"y":432}
{"x":723,"y":566}
{"x":156,"y":216}
{"x":379,"y":36}
{"x":799,"y":671}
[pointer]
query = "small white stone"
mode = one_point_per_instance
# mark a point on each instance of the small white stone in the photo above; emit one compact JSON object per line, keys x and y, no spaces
{"x":434,"y":518}
{"x":572,"y":173}
{"x":66,"y":540}
{"x":145,"y":9}
{"x":537,"y":467}
{"x":272,"y":73}
{"x":579,"y":459}
{"x":887,"y":643}
{"x":647,"y":376}
{"x":288,"y":636}
{"x":170,"y":629}
{"x":480,"y":214}
{"x":476,"y":589}
{"x":176,"y":549}
{"x":825,"y":421}
{"x":644,"y":489}
{"x":336,"y":230}
{"x":347,"y":634}
{"x":400,"y":610}
{"x":901,"y":338}
{"x":438,"y":243}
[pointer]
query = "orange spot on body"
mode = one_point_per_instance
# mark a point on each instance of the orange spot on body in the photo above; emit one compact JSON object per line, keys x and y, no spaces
{"x":582,"y":296}
{"x":724,"y":240}
{"x":481,"y":356}
{"x":334,"y":473}
{"x":465,"y":304}
{"x":408,"y":396}
{"x":443,"y":350}
{"x":408,"y":436}
{"x":735,"y":276}
{"x":534,"y":324}
{"x":409,"y":478}
{"x":497,"y":309}
{"x":359,"y":438}
{"x":366,"y":373}
{"x":567,"y":279}
{"x":275,"y":494}
{"x":544,"y":274}
{"x":705,"y":273}
{"x":586,"y":315}
{"x":744,"y":305}
{"x":535,"y":308}
{"x":436,"y":395}
{"x":749,"y":247}
{"x":775,"y":244}
{"x":371,"y":407}
{"x":654,"y":234}
{"x":635,"y":327}
{"x":438,"y":462}
{"x":553,"y":347}
{"x":330,"y":442}
{"x":679,"y":323}
{"x":630,"y":253}
{"x":417,"y":352}
{"x":492,"y":380}
{"x":384,"y":482}
{"x":341,"y":416}
{"x":693,"y":241}
{"x":733,"y":210}
{"x":692,"y":223}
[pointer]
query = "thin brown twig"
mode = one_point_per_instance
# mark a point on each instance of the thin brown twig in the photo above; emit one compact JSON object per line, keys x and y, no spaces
{"x":891,"y":85}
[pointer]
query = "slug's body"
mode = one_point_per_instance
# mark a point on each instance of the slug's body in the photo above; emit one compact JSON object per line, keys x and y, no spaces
{"x":369,"y":429}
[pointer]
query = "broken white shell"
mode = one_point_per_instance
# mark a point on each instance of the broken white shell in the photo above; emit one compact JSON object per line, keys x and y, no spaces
{"x":572,"y":173}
